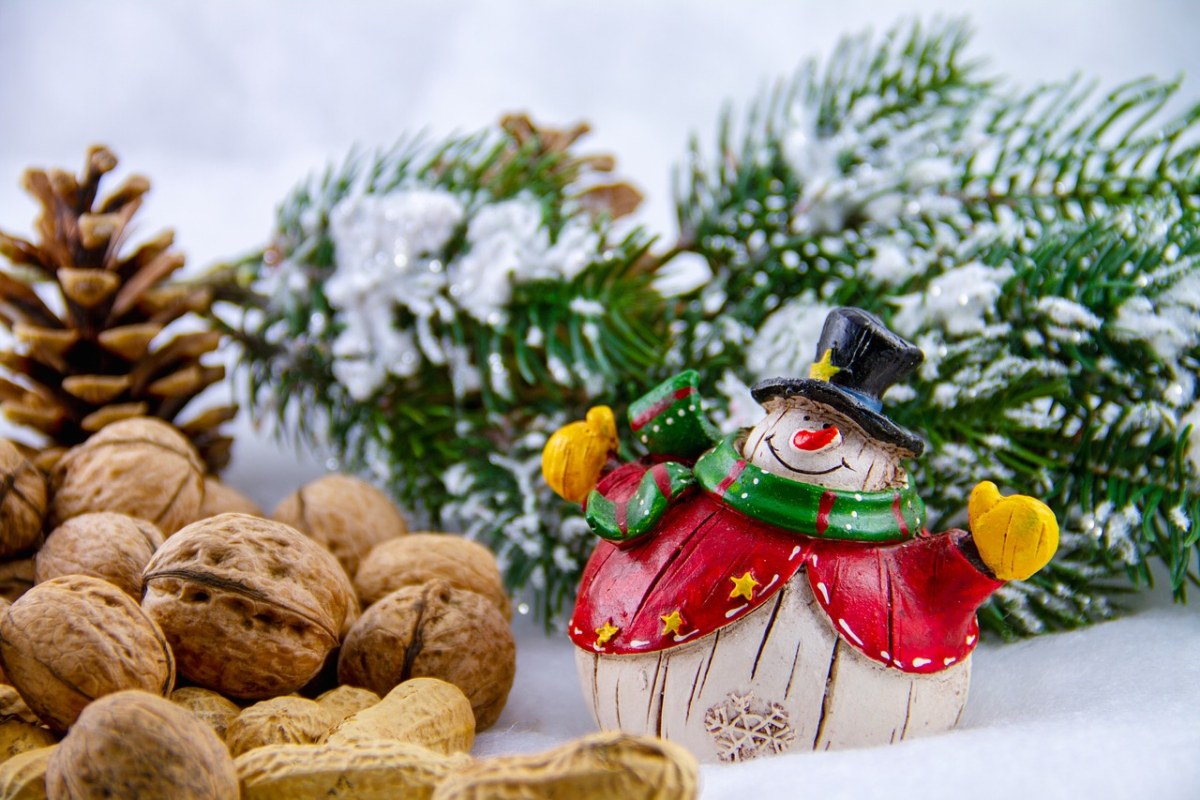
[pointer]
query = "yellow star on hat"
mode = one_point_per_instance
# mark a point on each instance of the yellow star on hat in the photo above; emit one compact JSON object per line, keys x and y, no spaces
{"x":824,"y":369}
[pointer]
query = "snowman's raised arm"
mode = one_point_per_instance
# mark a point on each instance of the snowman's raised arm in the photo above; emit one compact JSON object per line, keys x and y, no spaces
{"x":1015,"y":536}
{"x":668,"y":421}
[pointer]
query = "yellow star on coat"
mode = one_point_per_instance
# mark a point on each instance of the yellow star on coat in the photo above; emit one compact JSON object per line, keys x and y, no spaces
{"x":824,"y":369}
{"x":672,"y":622}
{"x":743,"y":586}
{"x":605,"y":632}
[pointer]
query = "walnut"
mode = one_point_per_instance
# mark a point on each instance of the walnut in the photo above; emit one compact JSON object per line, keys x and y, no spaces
{"x":72,"y":639}
{"x":220,"y":498}
{"x":281,"y":720}
{"x":250,"y":606}
{"x":419,"y":557}
{"x":211,"y":708}
{"x":135,"y":744}
{"x":16,"y":578}
{"x":103,"y":544}
{"x":347,"y":515}
{"x":434,"y":630}
{"x":22,"y":501}
{"x":141,"y":467}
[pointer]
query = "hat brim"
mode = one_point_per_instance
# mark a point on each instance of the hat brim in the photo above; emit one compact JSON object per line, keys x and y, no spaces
{"x":871,"y":421}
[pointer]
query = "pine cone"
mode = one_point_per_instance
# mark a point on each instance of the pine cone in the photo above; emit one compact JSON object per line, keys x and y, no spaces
{"x":94,"y":354}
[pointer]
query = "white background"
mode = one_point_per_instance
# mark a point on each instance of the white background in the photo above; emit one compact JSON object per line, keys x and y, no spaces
{"x":226,"y":105}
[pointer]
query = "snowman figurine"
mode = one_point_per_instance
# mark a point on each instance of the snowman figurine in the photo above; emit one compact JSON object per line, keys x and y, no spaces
{"x":776,"y":589}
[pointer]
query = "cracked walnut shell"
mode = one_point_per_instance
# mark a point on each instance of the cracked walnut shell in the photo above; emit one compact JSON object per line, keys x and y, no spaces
{"x":141,"y":467}
{"x":434,"y":630}
{"x":346,"y":514}
{"x":135,"y":744}
{"x":115,"y":547}
{"x":73,"y":639}
{"x":250,"y":606}
{"x":22,"y":501}
{"x":419,"y":557}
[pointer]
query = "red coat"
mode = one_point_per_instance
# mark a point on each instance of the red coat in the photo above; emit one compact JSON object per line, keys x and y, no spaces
{"x":909,"y":605}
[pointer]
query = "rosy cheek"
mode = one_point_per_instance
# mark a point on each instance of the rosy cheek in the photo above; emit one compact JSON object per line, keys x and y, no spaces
{"x":812,"y":441}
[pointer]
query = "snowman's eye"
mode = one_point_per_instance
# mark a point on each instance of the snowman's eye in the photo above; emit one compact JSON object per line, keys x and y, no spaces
{"x":806,"y":417}
{"x":827,"y":425}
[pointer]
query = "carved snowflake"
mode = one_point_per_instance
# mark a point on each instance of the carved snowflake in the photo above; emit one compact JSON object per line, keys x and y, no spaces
{"x":744,"y":727}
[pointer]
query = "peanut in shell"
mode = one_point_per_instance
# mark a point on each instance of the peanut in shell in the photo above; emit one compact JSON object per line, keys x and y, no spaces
{"x":596,"y":767}
{"x":366,"y":770}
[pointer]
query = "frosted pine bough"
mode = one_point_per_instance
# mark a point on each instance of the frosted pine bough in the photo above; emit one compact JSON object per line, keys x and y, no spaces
{"x":430,"y":313}
{"x":1041,"y":248}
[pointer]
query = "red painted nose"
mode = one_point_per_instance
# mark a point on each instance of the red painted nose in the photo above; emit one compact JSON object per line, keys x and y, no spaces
{"x":815,"y":440}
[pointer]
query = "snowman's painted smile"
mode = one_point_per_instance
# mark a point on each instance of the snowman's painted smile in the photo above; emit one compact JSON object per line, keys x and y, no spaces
{"x":779,"y":458}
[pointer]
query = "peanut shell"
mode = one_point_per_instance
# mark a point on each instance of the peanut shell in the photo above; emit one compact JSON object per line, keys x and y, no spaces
{"x":280,"y":720}
{"x":13,"y":705}
{"x":419,"y":557}
{"x":23,"y":777}
{"x":250,"y":606}
{"x":343,"y":701}
{"x":18,"y":736}
{"x":211,"y":708}
{"x":135,"y":744}
{"x":602,"y":765}
{"x":424,"y":711}
{"x":434,"y":630}
{"x":73,"y":639}
{"x":141,"y":467}
{"x":383,"y":770}
{"x":22,"y":502}
{"x":103,"y":544}
{"x":220,"y":498}
{"x":346,"y":514}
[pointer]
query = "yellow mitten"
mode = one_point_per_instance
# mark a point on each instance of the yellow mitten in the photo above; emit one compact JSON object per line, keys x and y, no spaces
{"x":1016,"y":535}
{"x":576,"y":453}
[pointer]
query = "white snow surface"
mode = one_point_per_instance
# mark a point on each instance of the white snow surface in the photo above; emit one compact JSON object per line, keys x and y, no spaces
{"x":226,"y":105}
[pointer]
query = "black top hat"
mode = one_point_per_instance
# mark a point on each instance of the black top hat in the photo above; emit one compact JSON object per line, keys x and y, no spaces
{"x":858,"y":359}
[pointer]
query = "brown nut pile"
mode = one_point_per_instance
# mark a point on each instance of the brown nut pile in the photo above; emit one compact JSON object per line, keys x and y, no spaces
{"x":250,"y":606}
{"x":434,"y":630}
{"x":245,"y":608}
{"x":141,"y":467}
{"x":346,"y":514}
